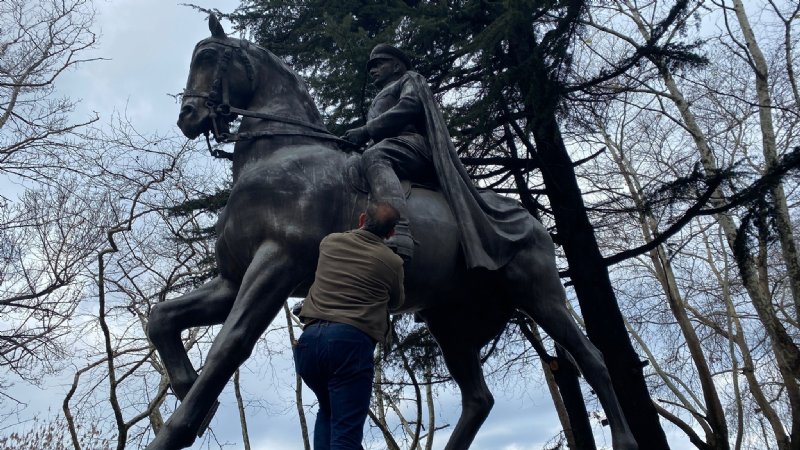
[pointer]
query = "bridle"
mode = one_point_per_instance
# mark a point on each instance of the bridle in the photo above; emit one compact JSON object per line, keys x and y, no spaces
{"x":217,"y":100}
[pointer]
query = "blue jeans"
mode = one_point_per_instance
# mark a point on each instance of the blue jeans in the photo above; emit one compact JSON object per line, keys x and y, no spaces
{"x":335,"y":361}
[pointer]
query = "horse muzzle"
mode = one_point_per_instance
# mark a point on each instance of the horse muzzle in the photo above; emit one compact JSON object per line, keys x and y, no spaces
{"x":193,"y":119}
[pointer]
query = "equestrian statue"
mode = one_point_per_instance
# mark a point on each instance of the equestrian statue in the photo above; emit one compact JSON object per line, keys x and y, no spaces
{"x":472,"y":258}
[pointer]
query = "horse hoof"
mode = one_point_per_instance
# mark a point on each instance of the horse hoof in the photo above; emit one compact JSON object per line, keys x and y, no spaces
{"x":204,"y":424}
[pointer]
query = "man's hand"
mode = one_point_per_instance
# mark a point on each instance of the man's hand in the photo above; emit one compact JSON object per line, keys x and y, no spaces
{"x":297,"y":307}
{"x":358,"y":136}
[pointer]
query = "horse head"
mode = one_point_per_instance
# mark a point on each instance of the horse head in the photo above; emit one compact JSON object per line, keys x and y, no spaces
{"x":221,"y":75}
{"x":230,"y":77}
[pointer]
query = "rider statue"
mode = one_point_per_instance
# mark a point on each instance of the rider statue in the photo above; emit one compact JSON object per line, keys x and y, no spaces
{"x":410,"y":140}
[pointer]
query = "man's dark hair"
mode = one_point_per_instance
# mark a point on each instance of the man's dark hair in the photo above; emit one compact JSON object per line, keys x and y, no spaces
{"x":381,"y":218}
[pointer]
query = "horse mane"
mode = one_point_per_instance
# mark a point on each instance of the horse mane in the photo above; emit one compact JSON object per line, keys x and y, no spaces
{"x":300,"y":83}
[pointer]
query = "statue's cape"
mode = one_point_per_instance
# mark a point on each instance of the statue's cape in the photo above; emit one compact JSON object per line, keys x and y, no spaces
{"x":493,"y":228}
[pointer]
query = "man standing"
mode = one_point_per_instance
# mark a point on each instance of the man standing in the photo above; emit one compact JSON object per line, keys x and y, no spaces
{"x":410,"y":140}
{"x":346,"y":312}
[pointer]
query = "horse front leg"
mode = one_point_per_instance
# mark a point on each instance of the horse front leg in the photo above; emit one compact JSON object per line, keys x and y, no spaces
{"x":207,"y":305}
{"x":267,"y":283}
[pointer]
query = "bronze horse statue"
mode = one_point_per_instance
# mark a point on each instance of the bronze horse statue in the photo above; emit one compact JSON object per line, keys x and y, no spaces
{"x":290,"y":189}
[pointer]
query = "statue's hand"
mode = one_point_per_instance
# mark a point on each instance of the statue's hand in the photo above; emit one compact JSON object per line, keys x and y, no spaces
{"x":358,"y":136}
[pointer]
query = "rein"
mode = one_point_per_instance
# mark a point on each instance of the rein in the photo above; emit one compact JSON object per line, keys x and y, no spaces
{"x":218,"y":103}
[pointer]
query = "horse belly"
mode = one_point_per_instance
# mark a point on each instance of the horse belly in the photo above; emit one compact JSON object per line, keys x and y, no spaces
{"x":437,"y":267}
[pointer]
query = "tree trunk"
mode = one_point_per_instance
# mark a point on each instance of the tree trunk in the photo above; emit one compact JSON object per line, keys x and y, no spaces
{"x":604,"y":324}
{"x":786,"y":352}
{"x":298,"y":383}
{"x":237,"y":389}
{"x":780,"y":209}
{"x":379,"y":416}
{"x":430,"y":404}
{"x":717,"y":427}
{"x":558,"y":401}
{"x":566,"y":377}
{"x":562,"y":381}
{"x":589,"y":275}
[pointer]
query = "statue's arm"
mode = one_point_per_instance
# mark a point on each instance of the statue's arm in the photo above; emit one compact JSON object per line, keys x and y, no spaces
{"x":408,"y":110}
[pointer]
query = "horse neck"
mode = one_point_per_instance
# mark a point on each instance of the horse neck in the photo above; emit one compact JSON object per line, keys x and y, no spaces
{"x":306,"y":167}
{"x":280,"y":92}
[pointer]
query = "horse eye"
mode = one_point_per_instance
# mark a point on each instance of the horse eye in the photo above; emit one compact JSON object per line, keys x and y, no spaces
{"x":205,"y":56}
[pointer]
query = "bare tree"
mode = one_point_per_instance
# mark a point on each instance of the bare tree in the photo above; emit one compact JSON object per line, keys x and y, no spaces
{"x":718,"y":357}
{"x":47,"y":232}
{"x":49,"y":235}
{"x":50,"y":434}
{"x":39,"y":41}
{"x":141,"y":263}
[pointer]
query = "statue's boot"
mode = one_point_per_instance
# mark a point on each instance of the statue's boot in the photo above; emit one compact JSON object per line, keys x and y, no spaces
{"x":402,"y":242}
{"x":385,"y":186}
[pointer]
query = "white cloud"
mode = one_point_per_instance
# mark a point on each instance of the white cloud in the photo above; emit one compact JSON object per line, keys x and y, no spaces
{"x":147,"y":45}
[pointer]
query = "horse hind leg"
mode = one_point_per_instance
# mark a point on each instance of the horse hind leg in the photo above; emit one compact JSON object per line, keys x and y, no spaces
{"x":536,"y":290}
{"x":207,"y":305}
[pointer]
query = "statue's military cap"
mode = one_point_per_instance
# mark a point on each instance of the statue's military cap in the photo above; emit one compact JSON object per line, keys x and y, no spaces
{"x":386,"y":51}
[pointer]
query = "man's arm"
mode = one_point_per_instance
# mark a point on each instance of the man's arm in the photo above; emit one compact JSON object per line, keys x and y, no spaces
{"x":397,"y":295}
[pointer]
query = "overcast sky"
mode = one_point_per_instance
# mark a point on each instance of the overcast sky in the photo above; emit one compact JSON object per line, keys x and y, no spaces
{"x":147,"y":44}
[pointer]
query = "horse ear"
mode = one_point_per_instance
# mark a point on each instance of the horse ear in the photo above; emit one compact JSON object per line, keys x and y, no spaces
{"x":215,"y":27}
